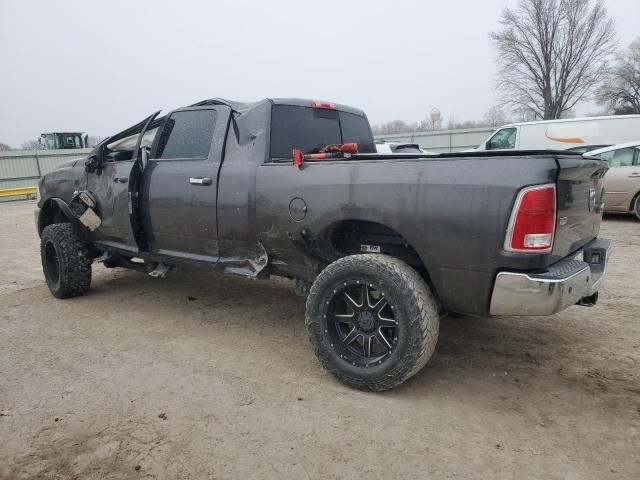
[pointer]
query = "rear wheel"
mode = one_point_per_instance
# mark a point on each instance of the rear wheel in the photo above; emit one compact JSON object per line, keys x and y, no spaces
{"x":372,"y":321}
{"x":66,"y":261}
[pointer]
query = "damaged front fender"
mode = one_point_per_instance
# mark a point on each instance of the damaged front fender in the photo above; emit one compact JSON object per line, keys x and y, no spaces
{"x":77,"y":212}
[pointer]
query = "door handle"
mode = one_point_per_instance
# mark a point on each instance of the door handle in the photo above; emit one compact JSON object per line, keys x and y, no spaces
{"x":120,"y":179}
{"x":200,"y":181}
{"x":635,"y":174}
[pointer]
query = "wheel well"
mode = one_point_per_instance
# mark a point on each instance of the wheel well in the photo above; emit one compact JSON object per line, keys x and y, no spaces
{"x":633,"y":201}
{"x":359,"y":236}
{"x":49,"y":214}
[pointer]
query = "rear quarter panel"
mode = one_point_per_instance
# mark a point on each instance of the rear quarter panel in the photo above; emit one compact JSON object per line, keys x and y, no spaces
{"x":454,"y":212}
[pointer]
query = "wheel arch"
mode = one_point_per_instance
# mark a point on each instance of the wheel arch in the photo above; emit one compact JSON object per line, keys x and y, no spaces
{"x":55,"y":210}
{"x":632,"y":203}
{"x":348,"y":236}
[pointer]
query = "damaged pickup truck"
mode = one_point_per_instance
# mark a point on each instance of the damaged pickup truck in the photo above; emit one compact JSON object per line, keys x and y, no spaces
{"x":381,"y":245}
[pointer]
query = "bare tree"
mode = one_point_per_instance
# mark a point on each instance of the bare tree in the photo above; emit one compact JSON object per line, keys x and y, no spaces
{"x":31,"y":145}
{"x":4,"y":147}
{"x":495,"y":116}
{"x":400,"y":126}
{"x":620,"y":91}
{"x":552,"y":53}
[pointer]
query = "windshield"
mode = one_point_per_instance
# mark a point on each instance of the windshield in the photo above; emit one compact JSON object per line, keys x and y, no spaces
{"x":51,"y":141}
{"x":309,"y":129}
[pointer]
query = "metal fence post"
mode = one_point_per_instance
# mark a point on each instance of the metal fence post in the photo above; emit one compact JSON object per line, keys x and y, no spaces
{"x":38,"y":165}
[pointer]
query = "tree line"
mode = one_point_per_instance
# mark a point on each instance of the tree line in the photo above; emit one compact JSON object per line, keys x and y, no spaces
{"x":551,"y":55}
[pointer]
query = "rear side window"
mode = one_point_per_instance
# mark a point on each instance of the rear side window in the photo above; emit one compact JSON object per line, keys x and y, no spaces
{"x":623,"y":157}
{"x":356,"y":129}
{"x":187,"y":134}
{"x":309,"y":129}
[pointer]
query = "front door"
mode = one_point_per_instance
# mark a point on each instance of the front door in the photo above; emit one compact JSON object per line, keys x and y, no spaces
{"x":179,"y":185}
{"x":111,"y":184}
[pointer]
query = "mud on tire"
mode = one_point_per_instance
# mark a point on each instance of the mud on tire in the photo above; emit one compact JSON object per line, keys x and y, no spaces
{"x":372,"y":321}
{"x":66,"y":261}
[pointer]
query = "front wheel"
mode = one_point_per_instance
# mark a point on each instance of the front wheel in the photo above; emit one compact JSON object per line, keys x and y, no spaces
{"x":636,"y":207}
{"x":66,"y":261}
{"x":372,"y":321}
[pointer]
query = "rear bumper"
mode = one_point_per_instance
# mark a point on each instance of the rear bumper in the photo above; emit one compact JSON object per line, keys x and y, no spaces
{"x":573,"y":280}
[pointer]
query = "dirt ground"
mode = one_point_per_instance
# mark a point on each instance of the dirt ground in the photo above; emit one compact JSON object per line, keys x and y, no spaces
{"x":201,"y":376}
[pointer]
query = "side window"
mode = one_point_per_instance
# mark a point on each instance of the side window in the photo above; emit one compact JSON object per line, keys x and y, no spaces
{"x":619,"y":158}
{"x":505,"y":138}
{"x":187,"y":134}
{"x":356,"y":129}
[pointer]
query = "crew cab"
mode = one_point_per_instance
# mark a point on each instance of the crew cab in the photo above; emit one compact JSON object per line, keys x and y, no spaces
{"x":381,"y":245}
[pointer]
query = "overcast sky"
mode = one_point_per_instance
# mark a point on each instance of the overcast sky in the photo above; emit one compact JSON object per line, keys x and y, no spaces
{"x":98,"y":67}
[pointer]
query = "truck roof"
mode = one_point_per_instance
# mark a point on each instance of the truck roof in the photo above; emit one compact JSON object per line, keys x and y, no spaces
{"x":243,"y":107}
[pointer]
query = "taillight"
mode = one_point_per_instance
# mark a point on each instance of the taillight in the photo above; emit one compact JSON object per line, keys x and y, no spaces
{"x":326,"y":105}
{"x":533,"y":220}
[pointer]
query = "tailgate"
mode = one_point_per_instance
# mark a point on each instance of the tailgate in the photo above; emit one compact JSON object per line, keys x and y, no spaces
{"x":579,"y":210}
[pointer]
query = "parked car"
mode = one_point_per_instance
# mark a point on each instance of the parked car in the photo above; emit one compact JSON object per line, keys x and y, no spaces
{"x":564,"y":134}
{"x":622,"y":181}
{"x":586,"y":148}
{"x":380,"y":245}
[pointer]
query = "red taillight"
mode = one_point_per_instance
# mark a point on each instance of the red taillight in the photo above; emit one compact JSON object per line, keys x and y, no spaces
{"x":319,"y":104}
{"x":533,"y":220}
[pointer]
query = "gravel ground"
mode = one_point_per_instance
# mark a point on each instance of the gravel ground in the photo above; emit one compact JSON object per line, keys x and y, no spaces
{"x":204,"y":376}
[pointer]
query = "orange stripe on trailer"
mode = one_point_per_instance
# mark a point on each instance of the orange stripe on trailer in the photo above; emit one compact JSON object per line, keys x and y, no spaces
{"x":563,"y":140}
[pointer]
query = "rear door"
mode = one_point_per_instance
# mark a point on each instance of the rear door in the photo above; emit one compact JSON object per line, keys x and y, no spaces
{"x":180,"y":182}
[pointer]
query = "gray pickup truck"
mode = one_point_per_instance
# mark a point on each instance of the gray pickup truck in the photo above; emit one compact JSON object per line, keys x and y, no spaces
{"x":381,"y":245}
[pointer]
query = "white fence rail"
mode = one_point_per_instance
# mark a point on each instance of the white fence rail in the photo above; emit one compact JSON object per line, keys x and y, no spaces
{"x":23,"y":168}
{"x":442,"y":141}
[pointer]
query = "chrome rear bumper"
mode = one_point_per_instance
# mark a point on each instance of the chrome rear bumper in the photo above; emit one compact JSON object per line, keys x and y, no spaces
{"x":573,"y":280}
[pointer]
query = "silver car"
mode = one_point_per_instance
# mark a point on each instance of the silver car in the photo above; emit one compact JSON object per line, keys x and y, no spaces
{"x":622,"y":181}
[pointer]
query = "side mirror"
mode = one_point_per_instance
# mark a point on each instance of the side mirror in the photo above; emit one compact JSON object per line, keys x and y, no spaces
{"x":91,"y":163}
{"x":488,"y":146}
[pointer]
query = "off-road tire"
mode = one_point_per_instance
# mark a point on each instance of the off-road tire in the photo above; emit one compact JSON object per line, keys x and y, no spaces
{"x":66,"y":261}
{"x":418,"y":320}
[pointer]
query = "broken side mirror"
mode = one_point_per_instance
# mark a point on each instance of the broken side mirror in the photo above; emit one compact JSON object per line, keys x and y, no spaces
{"x":91,"y":164}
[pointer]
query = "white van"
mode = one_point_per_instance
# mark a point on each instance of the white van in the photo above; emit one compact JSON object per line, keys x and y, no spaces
{"x":565,"y":134}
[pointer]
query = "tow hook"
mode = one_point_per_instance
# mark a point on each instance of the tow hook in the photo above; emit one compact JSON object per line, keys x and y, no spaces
{"x":589,"y":301}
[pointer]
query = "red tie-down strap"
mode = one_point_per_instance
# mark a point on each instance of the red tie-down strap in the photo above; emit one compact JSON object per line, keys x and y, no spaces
{"x":328,"y":152}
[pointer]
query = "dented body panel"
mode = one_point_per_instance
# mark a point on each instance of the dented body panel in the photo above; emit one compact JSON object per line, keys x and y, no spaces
{"x":243,"y":211}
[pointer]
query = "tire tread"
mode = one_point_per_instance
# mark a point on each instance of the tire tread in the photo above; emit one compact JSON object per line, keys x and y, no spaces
{"x":74,"y":260}
{"x":426,"y":319}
